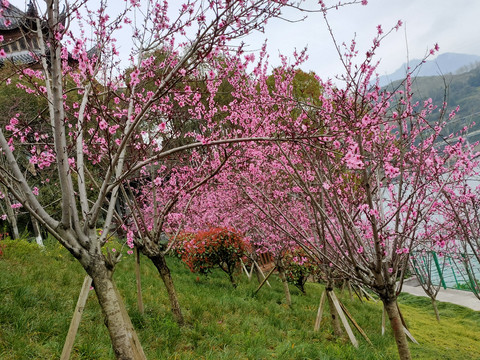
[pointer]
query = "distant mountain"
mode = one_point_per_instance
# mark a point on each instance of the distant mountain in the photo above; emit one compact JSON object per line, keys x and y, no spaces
{"x":458,"y":87}
{"x":448,"y":63}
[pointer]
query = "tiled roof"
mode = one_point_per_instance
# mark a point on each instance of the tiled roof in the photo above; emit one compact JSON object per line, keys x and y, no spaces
{"x":12,"y":14}
{"x":20,"y":57}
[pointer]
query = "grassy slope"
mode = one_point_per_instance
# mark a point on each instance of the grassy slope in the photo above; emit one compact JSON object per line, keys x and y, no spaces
{"x":38,"y":292}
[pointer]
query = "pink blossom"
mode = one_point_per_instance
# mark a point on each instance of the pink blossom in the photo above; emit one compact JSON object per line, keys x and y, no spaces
{"x":352,"y":159}
{"x":103,"y":124}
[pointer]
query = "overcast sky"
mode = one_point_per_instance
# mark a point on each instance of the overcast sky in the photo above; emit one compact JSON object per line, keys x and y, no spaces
{"x":454,"y":25}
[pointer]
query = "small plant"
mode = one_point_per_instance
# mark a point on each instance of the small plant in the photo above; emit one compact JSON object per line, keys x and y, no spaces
{"x":299,"y":267}
{"x":469,"y":286}
{"x":216,"y":247}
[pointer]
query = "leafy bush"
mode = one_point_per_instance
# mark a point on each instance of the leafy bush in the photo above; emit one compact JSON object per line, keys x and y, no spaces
{"x":299,"y":267}
{"x":19,"y":248}
{"x":216,"y":247}
{"x":178,"y":248}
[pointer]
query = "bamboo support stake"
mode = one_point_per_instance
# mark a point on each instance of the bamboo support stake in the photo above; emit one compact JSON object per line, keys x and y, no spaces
{"x":349,"y":286}
{"x":139,"y":282}
{"x":405,"y":328}
{"x":261,"y":272}
{"x":360,"y":330}
{"x":340,"y":312}
{"x":249,"y":276}
{"x":138,"y":353}
{"x":358,"y":293}
{"x":383,"y":321}
{"x":368,"y":295}
{"x":319,"y":312}
{"x":251,"y":270}
{"x":265,"y":280}
{"x":77,"y":316}
{"x":409,"y":335}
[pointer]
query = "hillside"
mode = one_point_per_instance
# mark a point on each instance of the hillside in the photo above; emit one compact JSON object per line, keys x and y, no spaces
{"x":456,"y":89}
{"x":39,"y":291}
{"x":443,"y":64}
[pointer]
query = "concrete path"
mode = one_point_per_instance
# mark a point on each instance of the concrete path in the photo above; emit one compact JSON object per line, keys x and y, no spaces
{"x":458,"y":297}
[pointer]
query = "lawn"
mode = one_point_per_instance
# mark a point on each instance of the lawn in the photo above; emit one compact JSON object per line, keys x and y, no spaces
{"x":39,"y":290}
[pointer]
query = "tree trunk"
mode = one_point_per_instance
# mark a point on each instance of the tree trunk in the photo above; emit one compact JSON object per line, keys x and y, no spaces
{"x":337,"y":328}
{"x":281,"y":274}
{"x":161,"y":265}
{"x":435,"y":308}
{"x":12,"y":217}
{"x":232,"y":280}
{"x":396,"y":322}
{"x":124,"y":339}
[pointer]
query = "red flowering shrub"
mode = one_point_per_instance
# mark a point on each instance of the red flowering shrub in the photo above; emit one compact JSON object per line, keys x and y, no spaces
{"x":181,"y":239}
{"x":216,"y":247}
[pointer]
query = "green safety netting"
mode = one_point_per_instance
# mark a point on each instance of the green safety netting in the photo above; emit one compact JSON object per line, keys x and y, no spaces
{"x":458,"y":271}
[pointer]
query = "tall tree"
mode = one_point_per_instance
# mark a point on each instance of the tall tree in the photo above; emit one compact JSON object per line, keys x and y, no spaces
{"x":105,"y":126}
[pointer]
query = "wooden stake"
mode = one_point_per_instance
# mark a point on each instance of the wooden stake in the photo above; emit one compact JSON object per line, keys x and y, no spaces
{"x":350,"y":317}
{"x":319,"y":312}
{"x":349,"y":286}
{"x":401,"y":317}
{"x":77,"y":316}
{"x":139,"y":282}
{"x":265,"y":280}
{"x":138,"y":353}
{"x":340,"y":312}
{"x":409,"y":335}
{"x":383,"y":321}
{"x":251,"y":271}
{"x":367,"y":294}
{"x":249,"y":276}
{"x":405,"y":329}
{"x":261,"y":272}
{"x":358,"y":293}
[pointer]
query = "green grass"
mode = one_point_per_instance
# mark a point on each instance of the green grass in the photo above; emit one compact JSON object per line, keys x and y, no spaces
{"x":39,"y":289}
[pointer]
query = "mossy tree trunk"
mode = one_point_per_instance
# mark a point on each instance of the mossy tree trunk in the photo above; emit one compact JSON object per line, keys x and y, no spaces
{"x":160,"y":263}
{"x":122,"y":335}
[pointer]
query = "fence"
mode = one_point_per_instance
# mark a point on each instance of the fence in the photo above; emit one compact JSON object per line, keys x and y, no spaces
{"x":461,"y":271}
